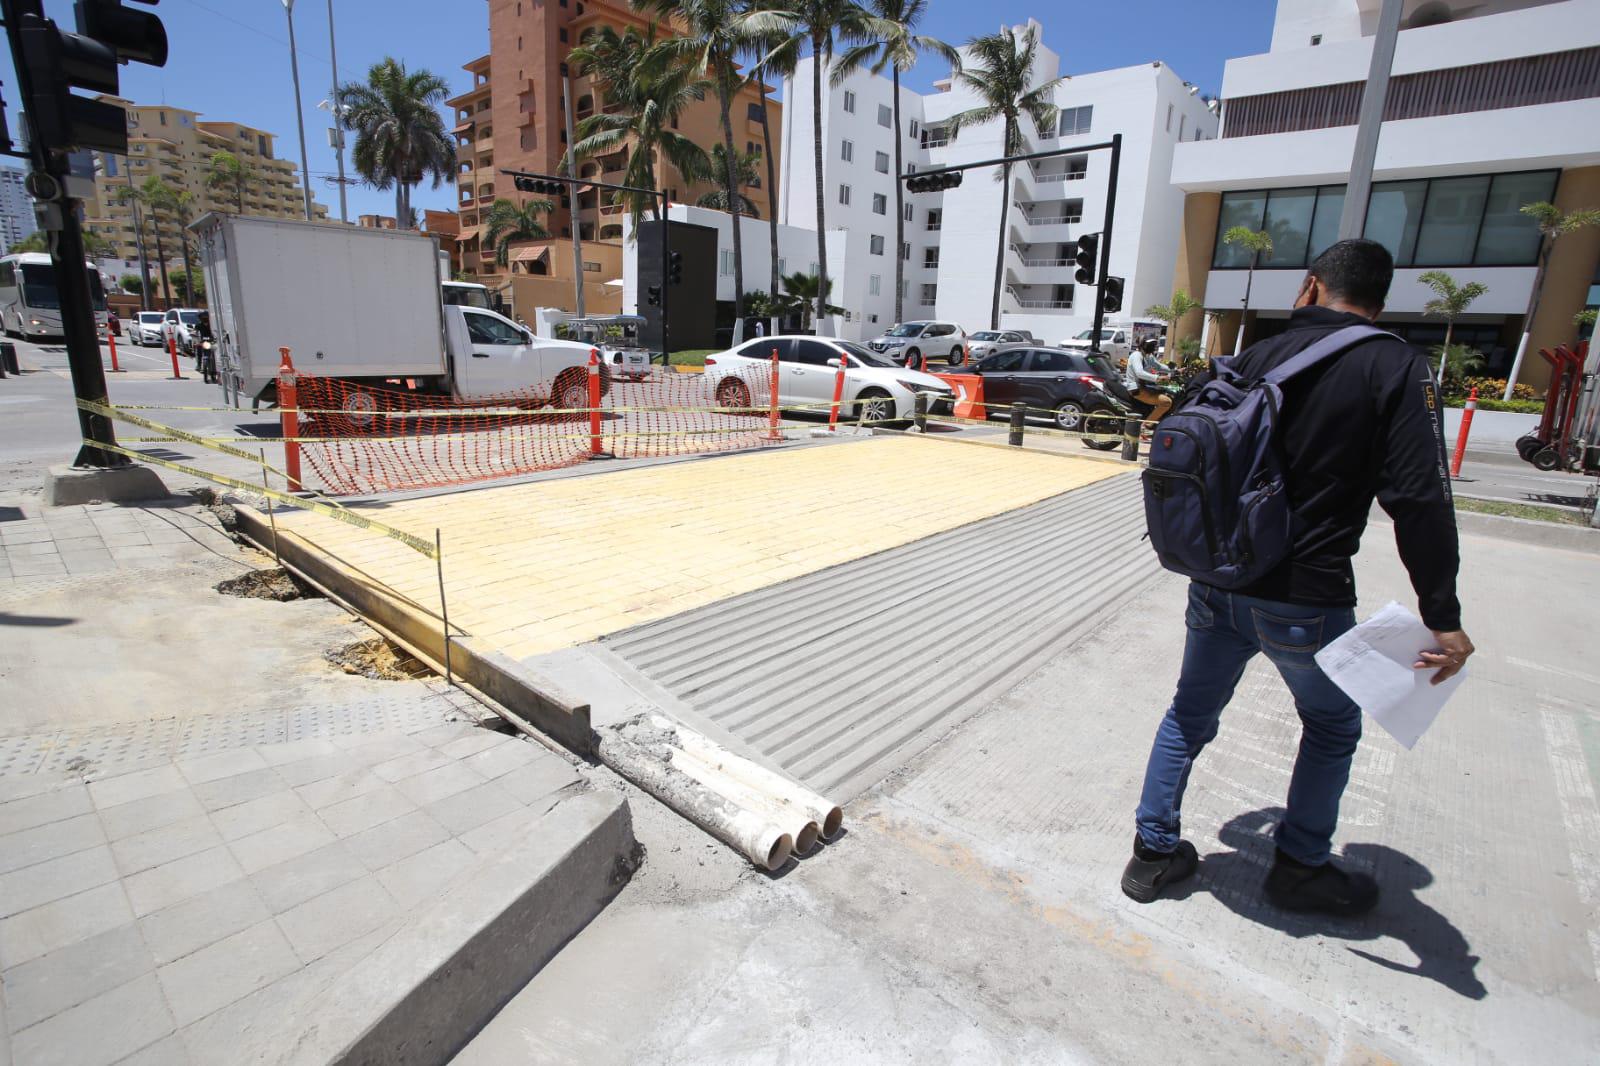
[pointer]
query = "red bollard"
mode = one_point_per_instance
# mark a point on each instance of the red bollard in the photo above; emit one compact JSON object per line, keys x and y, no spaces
{"x":172,"y":349}
{"x":772,"y":413}
{"x":1461,"y":434}
{"x":594,"y":402}
{"x":111,"y":339}
{"x":838,"y":395}
{"x":289,"y":406}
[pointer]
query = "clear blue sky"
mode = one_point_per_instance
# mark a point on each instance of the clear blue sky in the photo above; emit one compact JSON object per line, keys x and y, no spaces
{"x":230,"y":58}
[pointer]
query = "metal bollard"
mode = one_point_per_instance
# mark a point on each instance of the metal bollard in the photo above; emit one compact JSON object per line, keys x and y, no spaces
{"x":919,"y":411}
{"x":1130,"y":439}
{"x":1019,"y":411}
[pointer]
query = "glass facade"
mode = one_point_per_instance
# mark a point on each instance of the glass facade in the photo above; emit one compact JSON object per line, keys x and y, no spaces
{"x":1475,"y":220}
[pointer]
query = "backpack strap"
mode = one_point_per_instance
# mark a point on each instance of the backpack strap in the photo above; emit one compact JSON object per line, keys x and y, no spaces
{"x":1324,"y":348}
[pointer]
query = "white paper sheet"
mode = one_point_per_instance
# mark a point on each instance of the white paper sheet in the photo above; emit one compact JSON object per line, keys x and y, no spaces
{"x":1372,"y":664}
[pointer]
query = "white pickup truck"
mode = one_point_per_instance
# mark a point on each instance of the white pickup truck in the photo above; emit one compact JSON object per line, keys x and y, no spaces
{"x":364,"y":305}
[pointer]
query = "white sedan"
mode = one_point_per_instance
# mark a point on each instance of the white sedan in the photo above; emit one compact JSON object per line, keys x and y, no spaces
{"x":144,"y":329}
{"x":876,"y":389}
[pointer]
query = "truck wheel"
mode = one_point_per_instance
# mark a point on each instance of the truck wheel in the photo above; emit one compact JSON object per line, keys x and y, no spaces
{"x":571,"y":390}
{"x":1528,"y":446}
{"x":1546,"y":459}
{"x":731,"y":392}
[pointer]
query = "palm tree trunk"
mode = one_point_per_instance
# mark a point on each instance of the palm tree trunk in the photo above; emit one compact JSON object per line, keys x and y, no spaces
{"x":161,"y":257}
{"x":772,"y":182}
{"x":899,"y":206}
{"x":1000,"y":251}
{"x":817,"y":73}
{"x":1444,"y":354}
{"x":1249,"y":280}
{"x":731,"y":183}
{"x":238,"y":192}
{"x":399,"y":203}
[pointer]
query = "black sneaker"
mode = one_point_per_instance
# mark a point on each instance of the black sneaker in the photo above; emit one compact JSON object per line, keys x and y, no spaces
{"x":1325,"y":889}
{"x":1150,"y":871}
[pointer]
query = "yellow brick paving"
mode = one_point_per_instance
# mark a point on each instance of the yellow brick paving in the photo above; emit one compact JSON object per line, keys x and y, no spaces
{"x":546,"y":565}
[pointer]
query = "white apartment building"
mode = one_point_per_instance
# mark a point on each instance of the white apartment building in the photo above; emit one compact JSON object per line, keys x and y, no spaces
{"x":952,"y":236}
{"x":16,"y":208}
{"x":1493,"y":104}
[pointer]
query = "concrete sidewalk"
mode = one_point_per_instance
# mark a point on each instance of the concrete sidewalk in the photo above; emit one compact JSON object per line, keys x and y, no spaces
{"x":972,"y":914}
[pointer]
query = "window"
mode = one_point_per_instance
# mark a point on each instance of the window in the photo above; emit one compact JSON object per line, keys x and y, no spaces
{"x":752,"y":112}
{"x":591,"y":266}
{"x":916,"y":128}
{"x":563,"y":32}
{"x":844,"y":194}
{"x":930,"y":294}
{"x":1005,"y":362}
{"x":1509,"y":236}
{"x":874,"y":284}
{"x":1169,"y":118}
{"x":1316,"y":39}
{"x":872,"y":318}
{"x":486,"y":329}
{"x":1046,"y":361}
{"x":875,"y":244}
{"x":885,"y":116}
{"x":1181,"y":120}
{"x":850,"y":101}
{"x":880,"y":204}
{"x":1076,"y":120}
{"x":812,"y":353}
{"x":1394,"y":215}
{"x":1289,"y":221}
{"x":725,"y":263}
{"x":909,"y":212}
{"x":930,"y":257}
{"x":1450,"y":220}
{"x":782,"y":269}
{"x":905,"y":251}
{"x":880,"y":162}
{"x":847,"y":151}
{"x":935,"y":218}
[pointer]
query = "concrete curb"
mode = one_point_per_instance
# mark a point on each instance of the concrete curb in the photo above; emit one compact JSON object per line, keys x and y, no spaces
{"x":421,"y":995}
{"x":1529,"y":531}
{"x":533,"y":701}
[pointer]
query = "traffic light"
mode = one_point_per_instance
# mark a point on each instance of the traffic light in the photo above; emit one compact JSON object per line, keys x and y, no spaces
{"x":675,"y":267}
{"x":1111,"y":294}
{"x":1085,"y":256}
{"x":653,"y":296}
{"x":58,"y":62}
{"x":949,"y":179}
{"x":542,"y":186}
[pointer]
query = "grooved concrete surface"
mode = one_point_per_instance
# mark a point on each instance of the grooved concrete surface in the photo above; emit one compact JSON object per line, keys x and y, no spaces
{"x":549,"y":564}
{"x":971,"y":914}
{"x":844,"y":674}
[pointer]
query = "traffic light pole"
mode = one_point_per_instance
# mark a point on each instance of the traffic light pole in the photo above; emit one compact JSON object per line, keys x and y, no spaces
{"x":1105,"y":240}
{"x":666,"y":286}
{"x":64,"y":234}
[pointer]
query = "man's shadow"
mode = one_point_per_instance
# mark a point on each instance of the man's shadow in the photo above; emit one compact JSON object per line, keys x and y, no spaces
{"x":1235,"y":879}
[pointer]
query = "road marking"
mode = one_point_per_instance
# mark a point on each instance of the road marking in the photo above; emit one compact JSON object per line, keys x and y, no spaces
{"x":1558,"y":671}
{"x":1579,"y":814}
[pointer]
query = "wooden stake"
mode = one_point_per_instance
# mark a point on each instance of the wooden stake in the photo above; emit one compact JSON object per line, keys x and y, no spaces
{"x":444,"y":608}
{"x":270,"y":516}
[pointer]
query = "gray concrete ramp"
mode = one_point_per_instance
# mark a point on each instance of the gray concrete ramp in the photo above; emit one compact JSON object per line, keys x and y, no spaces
{"x":841,"y":676}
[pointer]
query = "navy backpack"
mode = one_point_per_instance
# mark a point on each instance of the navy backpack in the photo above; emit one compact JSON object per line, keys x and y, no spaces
{"x":1214,"y":492}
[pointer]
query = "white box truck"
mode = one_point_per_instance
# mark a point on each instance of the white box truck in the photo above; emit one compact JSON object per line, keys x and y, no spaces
{"x":364,"y":305}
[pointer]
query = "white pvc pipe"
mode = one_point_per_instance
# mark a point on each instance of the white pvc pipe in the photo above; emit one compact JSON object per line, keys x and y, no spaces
{"x":786,"y":816}
{"x":824,"y":812}
{"x":1516,"y":367}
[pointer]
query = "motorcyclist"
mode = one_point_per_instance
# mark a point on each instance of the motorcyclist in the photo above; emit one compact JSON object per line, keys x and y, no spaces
{"x":205,"y":349}
{"x":1144,"y":375}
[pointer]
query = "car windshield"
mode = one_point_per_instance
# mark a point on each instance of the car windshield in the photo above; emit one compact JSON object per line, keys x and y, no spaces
{"x":866,"y":357}
{"x":907,"y":329}
{"x":189,"y":317}
{"x":39,"y":287}
{"x":1088,"y":335}
{"x":149,"y":317}
{"x":467,"y":296}
{"x":986,"y":335}
{"x":1102,"y":366}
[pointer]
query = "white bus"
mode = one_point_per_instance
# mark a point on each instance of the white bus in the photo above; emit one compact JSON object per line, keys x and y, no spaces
{"x":29,"y":304}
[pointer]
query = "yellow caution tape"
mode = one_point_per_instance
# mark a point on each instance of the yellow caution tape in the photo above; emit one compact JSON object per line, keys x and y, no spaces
{"x":342,"y":514}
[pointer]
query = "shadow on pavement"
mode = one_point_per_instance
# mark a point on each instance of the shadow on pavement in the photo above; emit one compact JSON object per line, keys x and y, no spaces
{"x":1442,"y":951}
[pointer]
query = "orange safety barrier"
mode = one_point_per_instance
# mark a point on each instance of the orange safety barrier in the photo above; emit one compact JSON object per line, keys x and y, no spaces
{"x":773,"y":432}
{"x":288,"y":403}
{"x":838,"y":395}
{"x":595,"y":447}
{"x":172,"y":349}
{"x":111,"y":339}
{"x":969,"y":394}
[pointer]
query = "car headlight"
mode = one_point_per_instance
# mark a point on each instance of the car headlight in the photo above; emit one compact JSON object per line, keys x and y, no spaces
{"x":936,"y":392}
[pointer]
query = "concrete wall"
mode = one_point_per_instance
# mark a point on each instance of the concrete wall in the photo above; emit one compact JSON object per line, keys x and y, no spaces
{"x":1196,"y":244}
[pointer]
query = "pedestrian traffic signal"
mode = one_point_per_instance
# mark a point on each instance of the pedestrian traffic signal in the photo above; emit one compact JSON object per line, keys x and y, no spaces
{"x":948,"y":179}
{"x":57,"y":62}
{"x":1111,"y":294}
{"x":653,"y":296}
{"x":675,"y":267}
{"x":1088,"y":250}
{"x":543,"y":186}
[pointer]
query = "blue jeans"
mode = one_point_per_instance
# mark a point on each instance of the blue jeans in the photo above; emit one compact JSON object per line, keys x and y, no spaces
{"x":1226,"y":630}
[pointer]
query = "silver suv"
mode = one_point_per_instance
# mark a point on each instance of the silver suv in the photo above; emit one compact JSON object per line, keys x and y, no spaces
{"x":910,"y":341}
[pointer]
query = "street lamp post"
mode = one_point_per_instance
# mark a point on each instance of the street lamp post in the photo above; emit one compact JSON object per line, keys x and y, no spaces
{"x":338,"y":120}
{"x":299,"y":118}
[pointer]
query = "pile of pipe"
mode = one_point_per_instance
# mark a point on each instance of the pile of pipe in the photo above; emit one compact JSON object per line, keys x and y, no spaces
{"x":759,"y":813}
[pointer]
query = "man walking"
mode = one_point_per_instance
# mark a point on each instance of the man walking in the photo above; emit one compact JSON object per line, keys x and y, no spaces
{"x":1360,"y":424}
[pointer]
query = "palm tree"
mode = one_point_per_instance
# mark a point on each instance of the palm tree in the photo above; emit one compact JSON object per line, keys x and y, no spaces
{"x":822,"y":24}
{"x":228,"y":171}
{"x":1553,"y":224}
{"x":744,"y":169}
{"x":777,"y":57}
{"x":895,"y":46}
{"x":508,"y":223}
{"x":400,"y":136}
{"x":1181,"y":305}
{"x":646,"y":89}
{"x":1257,"y":242}
{"x":153,"y":196}
{"x":1450,"y":304}
{"x":713,"y":39}
{"x":804,"y":294}
{"x":1001,"y":75}
{"x":180,"y":208}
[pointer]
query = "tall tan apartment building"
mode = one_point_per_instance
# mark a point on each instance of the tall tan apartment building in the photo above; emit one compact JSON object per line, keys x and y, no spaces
{"x":513,"y":117}
{"x":175,"y":145}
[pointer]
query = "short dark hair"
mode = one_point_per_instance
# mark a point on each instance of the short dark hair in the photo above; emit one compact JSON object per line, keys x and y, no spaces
{"x":1357,"y":271}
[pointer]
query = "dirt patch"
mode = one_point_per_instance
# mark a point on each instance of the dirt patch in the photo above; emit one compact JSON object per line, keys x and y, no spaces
{"x":271,"y":584}
{"x":378,"y":659}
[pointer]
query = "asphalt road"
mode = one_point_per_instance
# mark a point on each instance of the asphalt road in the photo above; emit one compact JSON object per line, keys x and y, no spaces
{"x":1495,"y":475}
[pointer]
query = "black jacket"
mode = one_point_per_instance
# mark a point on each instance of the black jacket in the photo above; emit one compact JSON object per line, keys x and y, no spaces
{"x":1365,"y":424}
